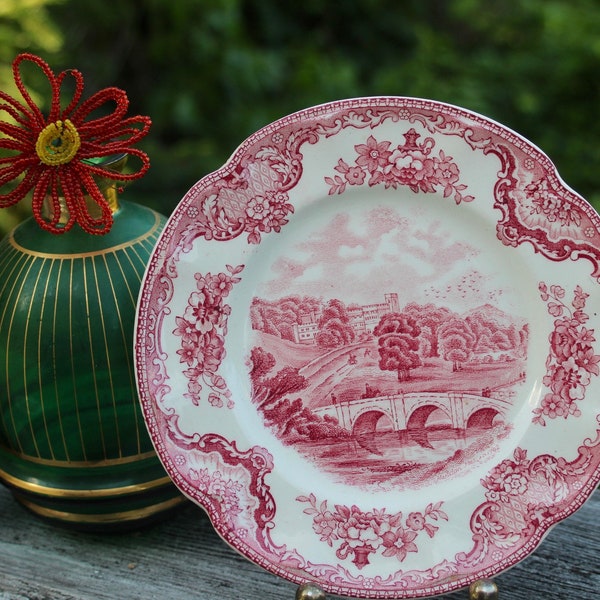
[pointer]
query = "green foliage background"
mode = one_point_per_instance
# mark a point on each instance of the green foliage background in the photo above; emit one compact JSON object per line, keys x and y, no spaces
{"x":211,"y":72}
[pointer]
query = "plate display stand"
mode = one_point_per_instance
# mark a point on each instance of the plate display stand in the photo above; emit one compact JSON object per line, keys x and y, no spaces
{"x":482,"y":589}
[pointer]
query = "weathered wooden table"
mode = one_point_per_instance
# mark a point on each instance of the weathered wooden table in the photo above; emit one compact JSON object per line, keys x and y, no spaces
{"x":184,"y":559}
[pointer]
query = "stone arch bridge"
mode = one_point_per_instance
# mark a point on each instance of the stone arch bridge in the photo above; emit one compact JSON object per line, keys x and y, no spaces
{"x":411,"y":411}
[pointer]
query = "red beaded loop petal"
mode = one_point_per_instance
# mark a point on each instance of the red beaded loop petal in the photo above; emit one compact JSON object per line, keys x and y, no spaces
{"x":50,"y":155}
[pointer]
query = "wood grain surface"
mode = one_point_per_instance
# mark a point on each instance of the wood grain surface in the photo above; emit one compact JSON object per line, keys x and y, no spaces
{"x":182,"y":558}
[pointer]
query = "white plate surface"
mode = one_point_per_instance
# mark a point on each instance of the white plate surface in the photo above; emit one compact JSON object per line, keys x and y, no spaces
{"x":367,"y":347}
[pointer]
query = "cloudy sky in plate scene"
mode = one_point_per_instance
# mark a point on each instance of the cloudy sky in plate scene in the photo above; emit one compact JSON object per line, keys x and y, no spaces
{"x":359,"y":257}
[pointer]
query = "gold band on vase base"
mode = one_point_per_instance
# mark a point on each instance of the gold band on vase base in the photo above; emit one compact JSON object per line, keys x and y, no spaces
{"x":56,"y":492}
{"x":77,"y":464}
{"x":137,"y":515}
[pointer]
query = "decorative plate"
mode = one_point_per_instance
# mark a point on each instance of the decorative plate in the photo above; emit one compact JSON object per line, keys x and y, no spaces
{"x":367,"y":346}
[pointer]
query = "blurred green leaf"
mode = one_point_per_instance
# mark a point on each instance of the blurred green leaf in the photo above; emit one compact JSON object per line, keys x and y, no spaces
{"x":211,"y":72}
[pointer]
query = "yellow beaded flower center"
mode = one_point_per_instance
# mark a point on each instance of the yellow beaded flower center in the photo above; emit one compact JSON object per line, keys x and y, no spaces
{"x":58,"y":143}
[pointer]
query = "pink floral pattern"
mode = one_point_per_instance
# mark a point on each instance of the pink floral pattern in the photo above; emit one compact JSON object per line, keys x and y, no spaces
{"x":509,"y":479}
{"x":227,"y":490}
{"x":410,"y":164}
{"x":265,"y":214}
{"x":358,"y":534}
{"x":545,"y":202}
{"x":202,"y":329}
{"x":572,"y":360}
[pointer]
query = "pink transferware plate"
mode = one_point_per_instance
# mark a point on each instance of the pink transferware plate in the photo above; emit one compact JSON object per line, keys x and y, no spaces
{"x":367,"y":347}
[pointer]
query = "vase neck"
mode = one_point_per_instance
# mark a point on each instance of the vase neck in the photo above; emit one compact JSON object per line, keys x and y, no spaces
{"x":109,"y":192}
{"x":107,"y":186}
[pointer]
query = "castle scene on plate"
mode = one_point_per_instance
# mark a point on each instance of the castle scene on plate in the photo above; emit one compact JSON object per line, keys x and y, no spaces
{"x":406,"y":371}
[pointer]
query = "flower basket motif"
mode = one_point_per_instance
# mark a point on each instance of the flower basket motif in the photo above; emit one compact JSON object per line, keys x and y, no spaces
{"x":357,"y":534}
{"x":572,"y":360}
{"x":411,"y":164}
{"x":521,"y":494}
{"x":253,"y":200}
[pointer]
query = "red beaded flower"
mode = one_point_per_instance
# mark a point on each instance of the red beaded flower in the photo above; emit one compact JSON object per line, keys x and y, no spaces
{"x":57,"y":155}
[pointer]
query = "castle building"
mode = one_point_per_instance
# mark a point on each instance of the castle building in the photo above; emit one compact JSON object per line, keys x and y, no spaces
{"x":306,"y":331}
{"x":363,"y":319}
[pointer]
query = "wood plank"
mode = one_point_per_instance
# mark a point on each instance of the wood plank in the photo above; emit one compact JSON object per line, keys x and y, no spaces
{"x":183,"y":558}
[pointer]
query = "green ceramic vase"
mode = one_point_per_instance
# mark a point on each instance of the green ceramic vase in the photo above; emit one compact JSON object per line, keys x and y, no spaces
{"x":74,"y":448}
